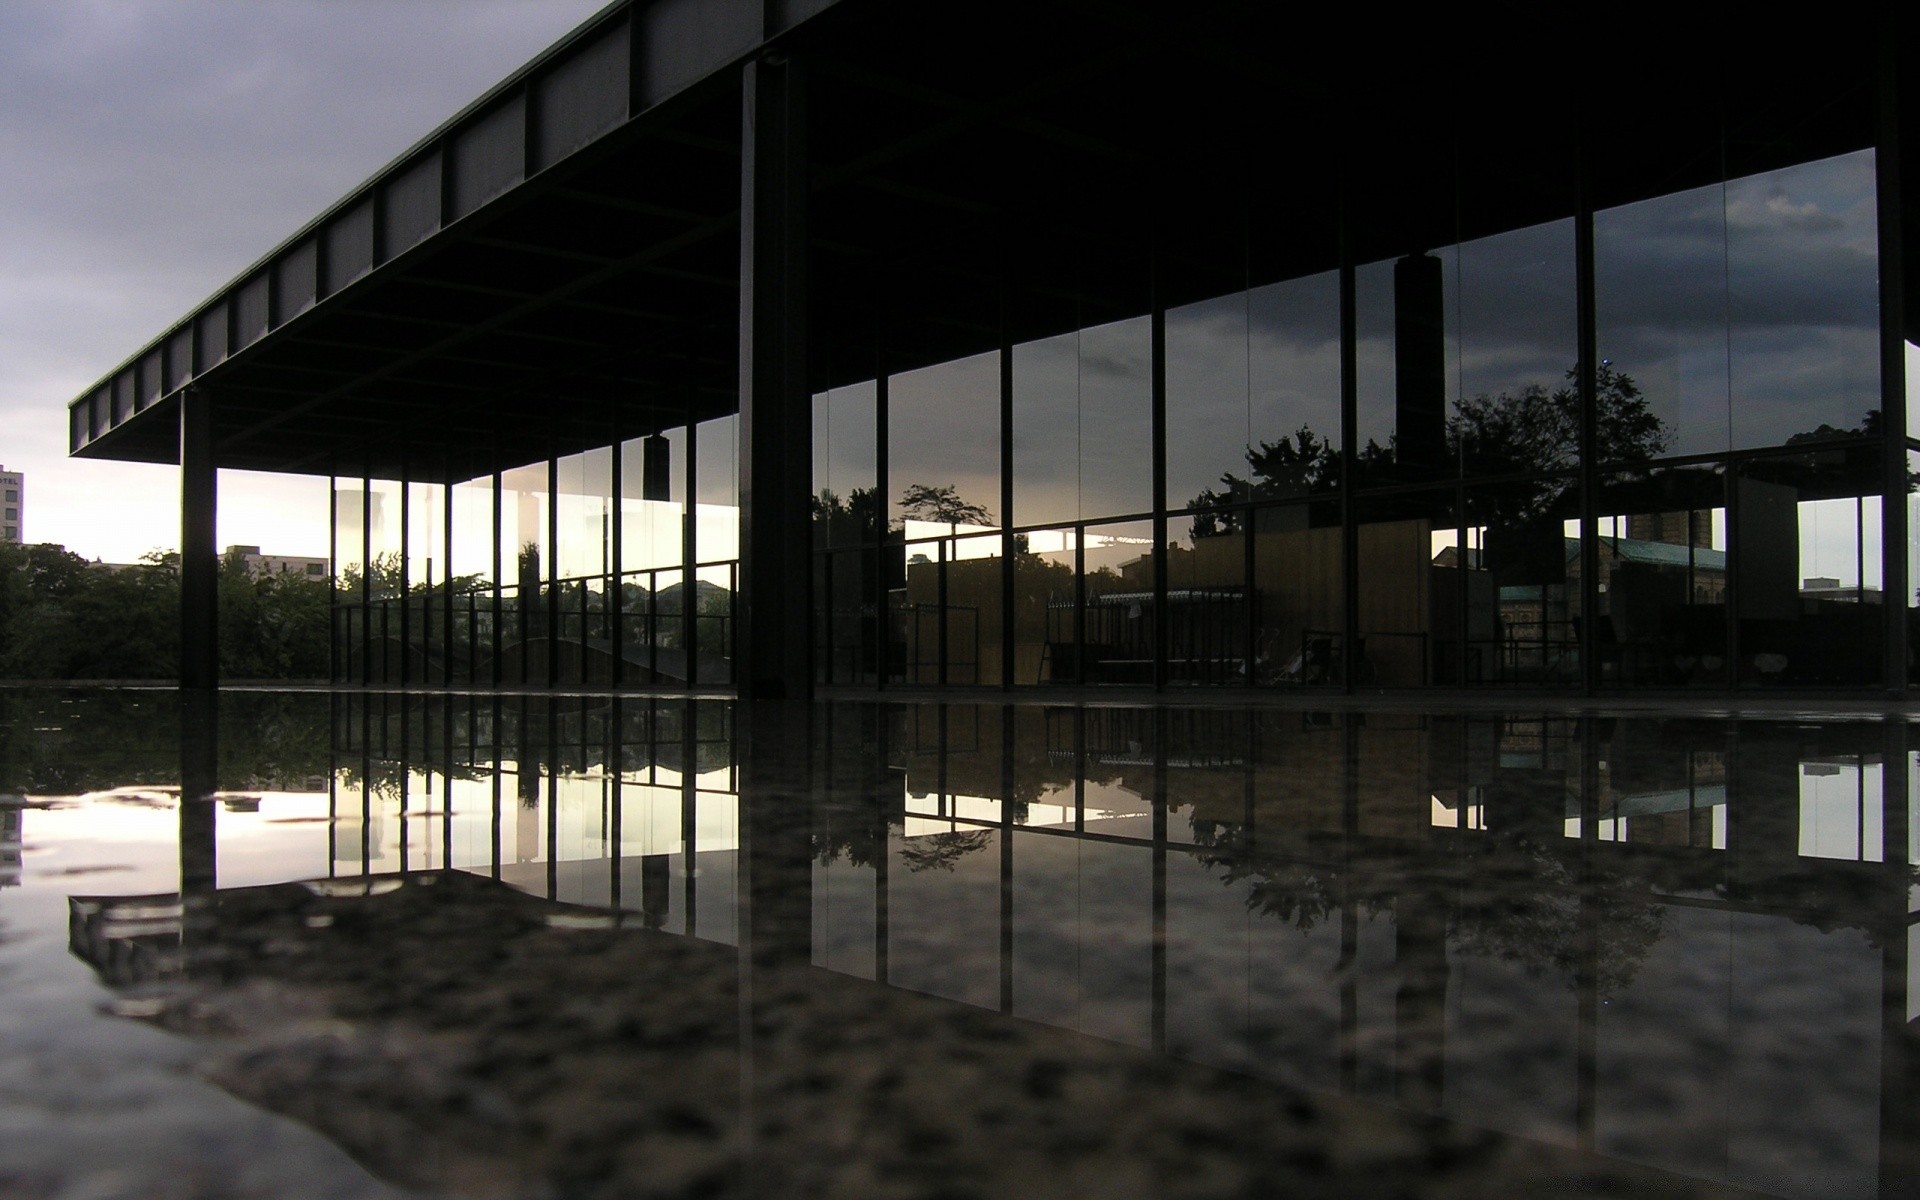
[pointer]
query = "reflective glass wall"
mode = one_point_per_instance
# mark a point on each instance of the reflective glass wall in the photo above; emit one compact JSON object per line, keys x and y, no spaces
{"x":1237,"y":465}
{"x":588,"y":568}
{"x":1452,"y":423}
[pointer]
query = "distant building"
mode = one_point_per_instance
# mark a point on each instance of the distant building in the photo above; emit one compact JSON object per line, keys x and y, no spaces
{"x":13,"y":505}
{"x":261,"y":565}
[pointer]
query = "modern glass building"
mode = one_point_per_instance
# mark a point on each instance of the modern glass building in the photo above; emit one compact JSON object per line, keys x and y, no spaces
{"x":787,"y":344}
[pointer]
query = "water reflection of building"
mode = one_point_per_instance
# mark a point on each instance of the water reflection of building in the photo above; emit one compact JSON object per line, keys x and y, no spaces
{"x":10,"y":844}
{"x":1519,"y":921}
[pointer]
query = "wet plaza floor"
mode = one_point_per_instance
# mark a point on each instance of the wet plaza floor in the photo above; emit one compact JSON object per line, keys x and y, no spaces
{"x":511,"y":946}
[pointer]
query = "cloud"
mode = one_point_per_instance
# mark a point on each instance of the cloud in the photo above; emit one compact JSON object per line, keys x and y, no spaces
{"x":155,"y":148}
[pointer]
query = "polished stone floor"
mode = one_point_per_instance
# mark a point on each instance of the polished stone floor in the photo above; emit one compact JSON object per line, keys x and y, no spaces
{"x":553,"y":947}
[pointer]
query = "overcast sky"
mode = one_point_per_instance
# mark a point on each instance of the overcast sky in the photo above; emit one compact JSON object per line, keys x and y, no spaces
{"x":153,"y":150}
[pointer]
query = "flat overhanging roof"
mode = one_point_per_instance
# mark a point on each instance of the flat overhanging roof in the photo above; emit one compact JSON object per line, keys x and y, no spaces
{"x":559,"y":264}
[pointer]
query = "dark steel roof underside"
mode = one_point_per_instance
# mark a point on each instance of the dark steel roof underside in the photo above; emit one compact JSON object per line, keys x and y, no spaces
{"x":999,"y":171}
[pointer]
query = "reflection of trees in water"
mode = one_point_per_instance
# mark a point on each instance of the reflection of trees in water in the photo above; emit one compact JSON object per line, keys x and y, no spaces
{"x":1298,"y":894}
{"x":60,"y":742}
{"x":1535,"y":922}
{"x":940,"y":851}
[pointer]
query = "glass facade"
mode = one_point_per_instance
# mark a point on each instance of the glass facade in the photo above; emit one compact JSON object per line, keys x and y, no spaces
{"x":1383,"y":468}
{"x":569,"y":570}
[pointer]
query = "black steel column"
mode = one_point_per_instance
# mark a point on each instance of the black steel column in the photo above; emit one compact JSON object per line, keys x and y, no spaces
{"x":776,"y":427}
{"x":1896,"y":587}
{"x":199,"y":555}
{"x":1587,"y":371}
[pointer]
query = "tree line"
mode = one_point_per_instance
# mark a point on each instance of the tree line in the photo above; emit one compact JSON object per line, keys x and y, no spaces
{"x":63,"y":617}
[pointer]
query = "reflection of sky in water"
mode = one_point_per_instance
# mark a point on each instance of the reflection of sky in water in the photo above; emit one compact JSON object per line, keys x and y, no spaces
{"x":1448,"y":928}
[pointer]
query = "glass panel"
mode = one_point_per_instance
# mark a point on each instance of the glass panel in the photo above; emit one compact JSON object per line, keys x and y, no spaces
{"x":386,"y":567}
{"x":1516,"y":407}
{"x":1118,"y":624}
{"x":1520,"y":584}
{"x":653,"y":631}
{"x":1408,"y":600}
{"x":1044,"y":610}
{"x":843,"y":465}
{"x":850,"y":646}
{"x":526,"y":558}
{"x":1913,"y":552}
{"x":653,"y":500}
{"x":1116,"y":418}
{"x":349,"y":576}
{"x":1208,"y":430}
{"x":1807,"y":568}
{"x":1913,"y":387}
{"x":1803,"y":305}
{"x":915,"y":614}
{"x":713,"y":634}
{"x":943,"y":447}
{"x":1046,"y":430}
{"x":1298,"y":595}
{"x":1405,"y":313}
{"x":1207,"y":603}
{"x":1293,"y":369}
{"x":716,"y":490}
{"x":583,"y":559}
{"x":584,"y":490}
{"x":471,"y":552}
{"x":1264,"y":364}
{"x":1660,"y":295}
{"x":426,"y":581}
{"x":1662,"y":616}
{"x":944,"y":619}
{"x":349,"y":534}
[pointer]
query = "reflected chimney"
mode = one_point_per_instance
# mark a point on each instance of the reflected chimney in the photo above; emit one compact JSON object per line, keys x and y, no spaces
{"x":1420,"y":361}
{"x":656,"y":468}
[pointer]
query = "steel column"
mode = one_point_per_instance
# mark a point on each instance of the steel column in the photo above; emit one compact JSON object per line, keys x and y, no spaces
{"x":776,"y":427}
{"x":199,"y":554}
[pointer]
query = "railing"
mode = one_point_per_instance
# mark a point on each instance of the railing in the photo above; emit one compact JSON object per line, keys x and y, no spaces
{"x":577,"y":629}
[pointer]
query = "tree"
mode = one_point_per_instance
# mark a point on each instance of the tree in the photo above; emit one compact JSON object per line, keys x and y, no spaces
{"x":1532,"y":432}
{"x":942,"y":503}
{"x":1297,"y":466}
{"x":1537,"y":431}
{"x":854,"y":520}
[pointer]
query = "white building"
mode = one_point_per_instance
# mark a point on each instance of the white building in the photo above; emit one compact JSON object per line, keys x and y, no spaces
{"x":259,"y":564}
{"x":13,"y":507}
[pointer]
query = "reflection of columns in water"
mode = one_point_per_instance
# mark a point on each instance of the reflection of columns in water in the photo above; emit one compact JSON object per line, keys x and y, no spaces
{"x":551,"y":770}
{"x":1586,"y":978}
{"x":773,"y":874}
{"x":1763,"y":808}
{"x":405,"y":761}
{"x":1420,"y":1003}
{"x":775,"y":857}
{"x":1007,"y":783}
{"x":499,"y":755}
{"x":199,"y":780}
{"x":198,"y":814}
{"x":1899,"y":1040}
{"x":1158,"y":1002}
{"x":1347,"y":969}
{"x":529,"y":759}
